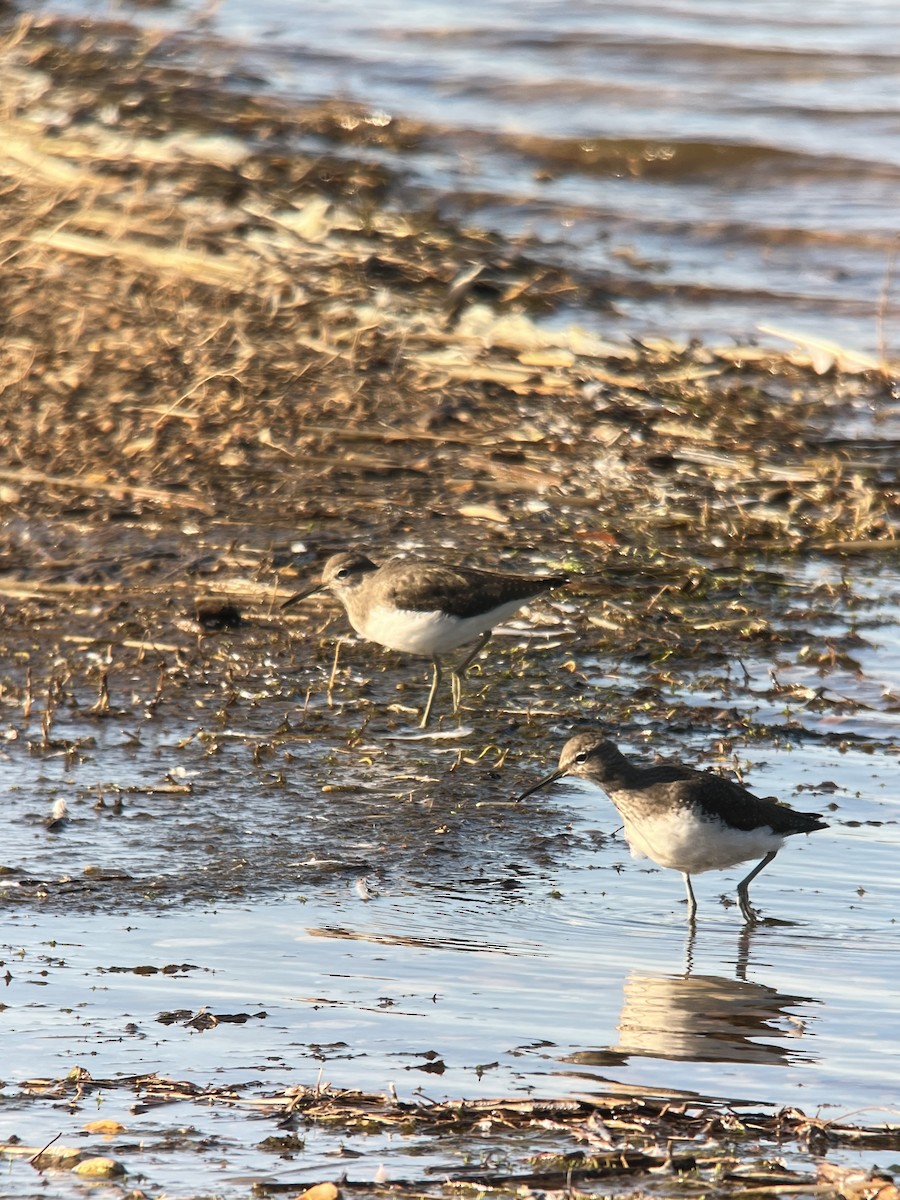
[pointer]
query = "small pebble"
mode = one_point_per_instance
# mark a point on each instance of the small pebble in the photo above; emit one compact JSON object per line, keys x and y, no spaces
{"x":98,"y":1168}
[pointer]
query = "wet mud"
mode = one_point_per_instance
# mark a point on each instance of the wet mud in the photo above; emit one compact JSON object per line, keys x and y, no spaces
{"x":225,"y":359}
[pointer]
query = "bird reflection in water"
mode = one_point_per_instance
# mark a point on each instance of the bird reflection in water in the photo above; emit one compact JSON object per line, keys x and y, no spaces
{"x":704,"y":1018}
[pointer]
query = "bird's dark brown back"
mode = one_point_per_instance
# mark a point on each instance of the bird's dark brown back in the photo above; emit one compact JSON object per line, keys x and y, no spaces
{"x":460,"y":591}
{"x":717,"y":796}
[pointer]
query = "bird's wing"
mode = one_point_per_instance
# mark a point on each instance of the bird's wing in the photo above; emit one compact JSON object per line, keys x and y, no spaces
{"x":460,"y":591}
{"x":731,"y":801}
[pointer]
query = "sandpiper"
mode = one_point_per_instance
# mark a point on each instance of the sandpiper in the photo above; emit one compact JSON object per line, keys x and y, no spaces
{"x":688,"y":820}
{"x":425,"y":608}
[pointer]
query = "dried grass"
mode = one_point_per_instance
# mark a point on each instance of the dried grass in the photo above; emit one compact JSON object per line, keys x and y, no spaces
{"x":634,"y":1144}
{"x":198,"y":316}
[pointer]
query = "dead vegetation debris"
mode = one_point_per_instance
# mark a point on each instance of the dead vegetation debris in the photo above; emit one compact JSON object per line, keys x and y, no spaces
{"x":202,"y":315}
{"x":577,"y":1145}
{"x":230,"y":350}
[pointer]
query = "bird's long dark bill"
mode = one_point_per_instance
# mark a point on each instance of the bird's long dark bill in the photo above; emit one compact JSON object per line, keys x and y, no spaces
{"x":540,"y":784}
{"x":301,"y":595}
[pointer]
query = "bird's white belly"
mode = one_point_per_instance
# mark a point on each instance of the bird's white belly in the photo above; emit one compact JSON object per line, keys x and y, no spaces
{"x":683,"y":841}
{"x":427,"y":632}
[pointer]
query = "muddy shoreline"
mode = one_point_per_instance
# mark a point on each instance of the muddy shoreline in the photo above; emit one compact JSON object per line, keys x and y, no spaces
{"x":231,"y":348}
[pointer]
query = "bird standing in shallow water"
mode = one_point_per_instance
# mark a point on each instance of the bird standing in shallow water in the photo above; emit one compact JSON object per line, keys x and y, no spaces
{"x":425,"y":608}
{"x":688,"y":820}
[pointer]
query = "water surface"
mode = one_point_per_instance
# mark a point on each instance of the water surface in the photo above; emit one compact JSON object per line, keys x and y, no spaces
{"x":715,"y":169}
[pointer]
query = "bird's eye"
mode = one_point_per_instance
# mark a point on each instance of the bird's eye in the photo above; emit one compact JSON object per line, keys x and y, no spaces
{"x":582,"y":757}
{"x":342,"y":573}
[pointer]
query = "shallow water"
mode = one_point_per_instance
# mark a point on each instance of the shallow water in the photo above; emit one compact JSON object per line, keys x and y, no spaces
{"x":580,"y":979}
{"x":714,"y":168}
{"x":383,"y":922}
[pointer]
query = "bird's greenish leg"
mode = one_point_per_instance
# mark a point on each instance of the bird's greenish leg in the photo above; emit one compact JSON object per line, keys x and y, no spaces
{"x":743,"y":894}
{"x":460,"y":669}
{"x":435,"y":683}
{"x":691,"y":899}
